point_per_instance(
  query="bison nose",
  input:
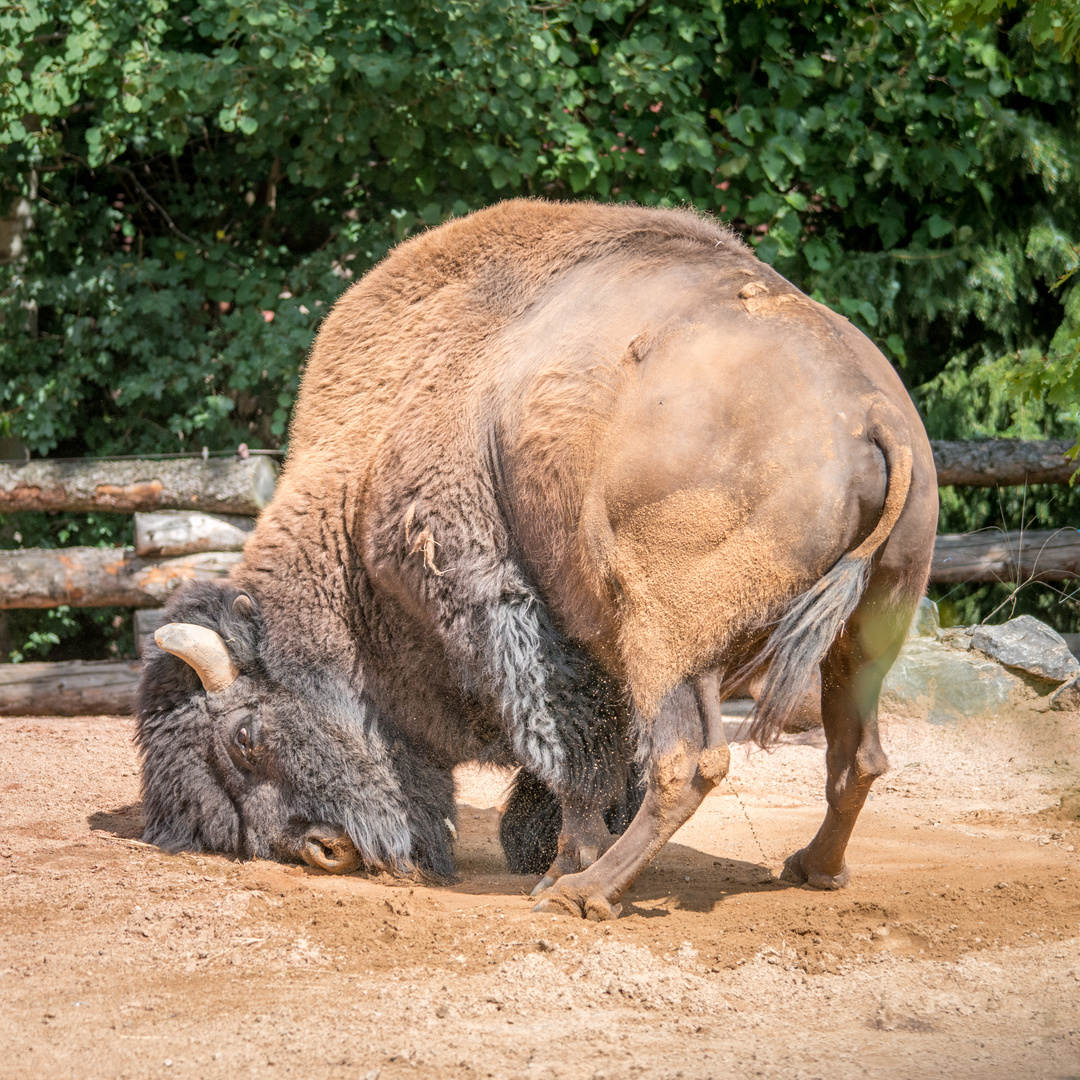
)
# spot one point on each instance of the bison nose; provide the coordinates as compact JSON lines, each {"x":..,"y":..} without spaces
{"x":330,"y":849}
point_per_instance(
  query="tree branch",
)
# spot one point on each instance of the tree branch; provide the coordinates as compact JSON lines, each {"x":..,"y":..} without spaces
{"x":173,"y":227}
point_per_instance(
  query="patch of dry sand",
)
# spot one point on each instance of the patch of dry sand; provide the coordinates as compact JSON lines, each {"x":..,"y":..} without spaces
{"x":955,"y":951}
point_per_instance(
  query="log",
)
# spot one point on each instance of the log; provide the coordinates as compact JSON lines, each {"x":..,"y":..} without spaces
{"x":1002,"y":462}
{"x":75,"y":688}
{"x":186,"y":532}
{"x":217,"y":485}
{"x":118,"y":577}
{"x":147,"y":620}
{"x":1042,"y":555}
{"x":101,"y":577}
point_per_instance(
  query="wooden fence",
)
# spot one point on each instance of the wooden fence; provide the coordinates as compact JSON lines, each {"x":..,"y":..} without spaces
{"x":193,"y":515}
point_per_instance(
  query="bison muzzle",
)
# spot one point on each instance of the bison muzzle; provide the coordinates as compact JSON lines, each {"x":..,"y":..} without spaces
{"x":560,"y":478}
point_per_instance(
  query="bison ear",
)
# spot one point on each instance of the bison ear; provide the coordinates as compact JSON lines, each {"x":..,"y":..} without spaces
{"x":243,"y":606}
{"x":203,"y":649}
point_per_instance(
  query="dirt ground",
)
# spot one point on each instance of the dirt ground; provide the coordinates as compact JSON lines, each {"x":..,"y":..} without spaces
{"x":954,"y":952}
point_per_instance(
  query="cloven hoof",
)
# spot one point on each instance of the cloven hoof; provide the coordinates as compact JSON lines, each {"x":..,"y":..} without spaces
{"x":586,"y":902}
{"x":796,"y":874}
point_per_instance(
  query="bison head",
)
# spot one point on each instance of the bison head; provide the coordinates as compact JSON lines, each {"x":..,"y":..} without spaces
{"x":245,"y":753}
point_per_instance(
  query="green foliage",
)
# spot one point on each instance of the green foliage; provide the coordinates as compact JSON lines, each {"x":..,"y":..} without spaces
{"x":1046,"y":21}
{"x":1055,"y":377}
{"x":208,"y":178}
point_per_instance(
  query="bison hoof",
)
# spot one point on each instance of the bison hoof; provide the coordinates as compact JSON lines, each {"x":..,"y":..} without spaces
{"x":586,"y":901}
{"x":543,"y":884}
{"x":796,"y":872}
{"x":573,"y":857}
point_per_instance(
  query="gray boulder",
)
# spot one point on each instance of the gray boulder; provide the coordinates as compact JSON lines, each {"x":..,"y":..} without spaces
{"x":927,"y":622}
{"x":1066,"y":698}
{"x":946,"y":683}
{"x":1030,"y":645}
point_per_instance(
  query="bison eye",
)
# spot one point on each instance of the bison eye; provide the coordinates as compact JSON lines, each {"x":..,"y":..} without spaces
{"x":245,"y":742}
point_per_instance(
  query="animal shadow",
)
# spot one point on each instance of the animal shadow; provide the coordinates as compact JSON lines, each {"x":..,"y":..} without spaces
{"x":662,"y":886}
{"x":686,"y":879}
{"x":125,"y":822}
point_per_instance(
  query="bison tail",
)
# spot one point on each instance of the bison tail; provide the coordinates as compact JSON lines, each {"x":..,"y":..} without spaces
{"x":814,"y":620}
{"x":799,"y":643}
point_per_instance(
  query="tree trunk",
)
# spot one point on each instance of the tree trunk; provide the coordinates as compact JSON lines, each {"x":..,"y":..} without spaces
{"x":184,"y":532}
{"x":75,"y":688}
{"x":1002,"y":462}
{"x":217,"y":485}
{"x":1042,"y":555}
{"x":100,"y":577}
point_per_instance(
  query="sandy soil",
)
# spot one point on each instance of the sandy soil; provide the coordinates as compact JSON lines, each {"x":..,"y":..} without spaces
{"x":954,"y":952}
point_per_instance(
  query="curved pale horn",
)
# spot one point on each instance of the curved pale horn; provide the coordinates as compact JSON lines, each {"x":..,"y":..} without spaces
{"x":203,"y":649}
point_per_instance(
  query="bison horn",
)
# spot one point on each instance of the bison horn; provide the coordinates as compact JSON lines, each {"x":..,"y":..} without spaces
{"x":203,"y":649}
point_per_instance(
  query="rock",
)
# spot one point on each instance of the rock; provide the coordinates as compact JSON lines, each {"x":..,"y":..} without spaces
{"x":927,"y":622}
{"x":1066,"y":698}
{"x":1030,"y":645}
{"x":957,"y":637}
{"x":948,"y":684}
{"x":1069,"y":808}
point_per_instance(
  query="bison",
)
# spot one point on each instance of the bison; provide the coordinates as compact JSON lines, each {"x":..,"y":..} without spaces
{"x":559,"y":477}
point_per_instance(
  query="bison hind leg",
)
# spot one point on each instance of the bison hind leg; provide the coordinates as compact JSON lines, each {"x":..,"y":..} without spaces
{"x":532,"y":819}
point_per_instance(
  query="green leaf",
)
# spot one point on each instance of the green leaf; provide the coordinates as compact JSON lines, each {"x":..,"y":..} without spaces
{"x":938,"y":226}
{"x":817,"y":255}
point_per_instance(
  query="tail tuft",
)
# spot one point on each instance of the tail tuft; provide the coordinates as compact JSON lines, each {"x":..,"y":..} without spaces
{"x":800,"y":641}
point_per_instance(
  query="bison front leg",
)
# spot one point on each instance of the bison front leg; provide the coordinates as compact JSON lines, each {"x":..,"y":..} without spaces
{"x":687,"y":756}
{"x":851,"y":677}
{"x":564,"y":722}
{"x":583,"y":838}
{"x":596,"y":790}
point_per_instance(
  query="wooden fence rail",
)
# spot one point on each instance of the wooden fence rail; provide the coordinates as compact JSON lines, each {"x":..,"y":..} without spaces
{"x":85,"y":577}
{"x":994,"y":555}
{"x":74,"y":688}
{"x":217,"y":485}
{"x":235,"y":486}
{"x":119,"y":577}
{"x":1002,"y":462}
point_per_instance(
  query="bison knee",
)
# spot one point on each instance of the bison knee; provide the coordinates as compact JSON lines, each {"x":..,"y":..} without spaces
{"x":713,"y":763}
{"x":870,"y":763}
{"x":673,"y":771}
